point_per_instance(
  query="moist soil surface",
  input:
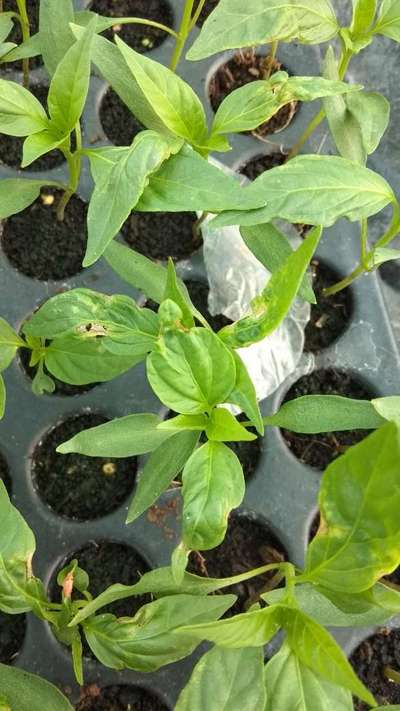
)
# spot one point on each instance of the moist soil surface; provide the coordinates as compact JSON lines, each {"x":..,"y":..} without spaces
{"x":42,"y":247}
{"x":160,"y":235}
{"x":209,"y":6}
{"x":119,"y":698}
{"x":259,"y":164}
{"x":5,"y":474}
{"x":61,"y":388}
{"x":75,"y":486}
{"x":248,"y":544}
{"x":243,"y":68}
{"x":319,"y":450}
{"x":331,"y":314}
{"x":369,"y":661}
{"x":11,"y":146}
{"x":119,"y":124}
{"x":390,"y":273}
{"x":12,"y":634}
{"x":32,"y":8}
{"x":141,"y":38}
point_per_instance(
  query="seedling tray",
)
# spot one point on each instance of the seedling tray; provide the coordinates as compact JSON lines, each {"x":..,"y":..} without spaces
{"x":282,"y":492}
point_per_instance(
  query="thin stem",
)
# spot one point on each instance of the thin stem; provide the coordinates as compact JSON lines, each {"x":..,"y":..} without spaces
{"x":74,"y":165}
{"x":272,"y":56}
{"x":182,"y":34}
{"x":364,"y":242}
{"x":140,"y":21}
{"x":25,"y":29}
{"x":78,"y":136}
{"x":196,"y":14}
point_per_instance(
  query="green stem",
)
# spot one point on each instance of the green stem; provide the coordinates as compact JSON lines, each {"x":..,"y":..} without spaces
{"x":182,"y":34}
{"x":140,"y":21}
{"x":25,"y":29}
{"x":74,"y":165}
{"x":272,"y":56}
{"x":364,"y":243}
{"x":196,"y":14}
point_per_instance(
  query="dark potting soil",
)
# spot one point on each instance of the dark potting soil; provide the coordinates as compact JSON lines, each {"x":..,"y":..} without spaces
{"x":160,"y":235}
{"x":119,"y":124}
{"x":209,"y":6}
{"x":248,"y":544}
{"x":75,"y":486}
{"x":60,"y":388}
{"x":198,"y":291}
{"x":319,"y":450}
{"x":369,"y":661}
{"x":258,"y":165}
{"x":42,"y":247}
{"x":11,"y":146}
{"x":141,"y":38}
{"x":390,"y":273}
{"x":243,"y":68}
{"x":107,"y":563}
{"x":5,"y":474}
{"x":32,"y":8}
{"x":119,"y":698}
{"x":12,"y":635}
{"x":331,"y":314}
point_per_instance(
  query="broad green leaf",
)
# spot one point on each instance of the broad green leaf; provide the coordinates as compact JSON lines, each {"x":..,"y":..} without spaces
{"x":70,"y":84}
{"x":21,"y":114}
{"x":233,"y":25}
{"x":316,"y":190}
{"x":272,"y":248}
{"x":384,"y":254}
{"x":213,"y":485}
{"x":137,"y":270}
{"x":120,"y":188}
{"x":316,"y":649}
{"x":363,"y":16}
{"x":372,"y":111}
{"x":272,"y":306}
{"x":292,"y":685}
{"x":2,"y":397}
{"x":187,"y":182}
{"x":388,"y":407}
{"x":6,"y":25}
{"x":172,"y":99}
{"x":163,"y":465}
{"x":27,"y":692}
{"x":38,"y":144}
{"x":244,"y":395}
{"x":146,"y":642}
{"x":9,"y":342}
{"x":122,"y":437}
{"x":388,"y":23}
{"x":250,"y":629}
{"x":225,"y":679}
{"x":359,"y":539}
{"x":55,"y":34}
{"x":17,"y":193}
{"x":191,"y":371}
{"x":224,"y":427}
{"x":311,"y":414}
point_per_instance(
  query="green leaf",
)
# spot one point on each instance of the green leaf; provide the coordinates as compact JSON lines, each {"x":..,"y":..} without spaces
{"x":5,"y":49}
{"x":233,"y":25}
{"x":30,"y":48}
{"x":179,"y":561}
{"x":196,"y":423}
{"x":244,"y":395}
{"x":272,"y":306}
{"x":316,"y":190}
{"x":225,"y":679}
{"x":38,"y":144}
{"x":316,"y":649}
{"x":388,"y":22}
{"x":388,"y":407}
{"x":213,"y":485}
{"x":187,"y":182}
{"x":55,"y":34}
{"x":224,"y":427}
{"x":42,"y":383}
{"x":122,"y":437}
{"x":272,"y":248}
{"x":137,"y":270}
{"x":363,"y":16}
{"x":292,"y":685}
{"x":146,"y":642}
{"x":174,"y":291}
{"x":312,"y":414}
{"x":9,"y":342}
{"x":372,"y":111}
{"x":384,"y":254}
{"x":163,"y":465}
{"x":250,"y":629}
{"x":359,"y":541}
{"x":6,"y":25}
{"x":20,"y":112}
{"x":17,"y":193}
{"x":70,"y":84}
{"x":119,"y":189}
{"x":27,"y":692}
{"x":2,"y":397}
{"x":171,"y":98}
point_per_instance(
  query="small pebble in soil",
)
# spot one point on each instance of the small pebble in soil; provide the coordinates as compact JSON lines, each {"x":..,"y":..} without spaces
{"x":32,"y":8}
{"x":119,"y":698}
{"x":331,"y":315}
{"x":244,"y":67}
{"x":142,"y":38}
{"x":319,"y":450}
{"x":390,"y":273}
{"x":160,"y":235}
{"x":64,"y":389}
{"x":73,"y":485}
{"x":208,"y":7}
{"x":369,"y":661}
{"x":248,"y":544}
{"x":12,"y":635}
{"x":254,"y":167}
{"x":42,"y":247}
{"x":118,"y":123}
{"x":5,"y":474}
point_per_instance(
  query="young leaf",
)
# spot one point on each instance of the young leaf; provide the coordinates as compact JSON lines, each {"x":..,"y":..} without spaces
{"x":372,"y":111}
{"x":173,"y":291}
{"x":224,"y":427}
{"x":6,"y":25}
{"x":384,"y":254}
{"x":292,"y":685}
{"x":179,"y":561}
{"x":363,"y":16}
{"x":122,"y":437}
{"x":163,"y":465}
{"x":213,"y":485}
{"x":38,"y":144}
{"x":119,"y":189}
{"x":250,"y":629}
{"x":359,"y":539}
{"x":9,"y":342}
{"x":199,"y":362}
{"x":55,"y":34}
{"x":27,"y":692}
{"x":244,"y":394}
{"x":21,"y":114}
{"x":388,"y":22}
{"x":272,"y":306}
{"x":146,"y":642}
{"x":225,"y":679}
{"x":42,"y":383}
{"x":311,"y":414}
{"x":388,"y":407}
{"x":30,"y":48}
{"x":339,"y":188}
{"x":17,"y":193}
